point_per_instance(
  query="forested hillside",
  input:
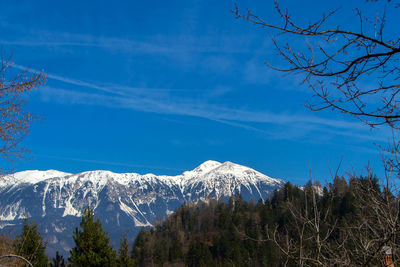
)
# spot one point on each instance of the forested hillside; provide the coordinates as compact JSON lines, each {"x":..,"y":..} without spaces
{"x":337,"y":225}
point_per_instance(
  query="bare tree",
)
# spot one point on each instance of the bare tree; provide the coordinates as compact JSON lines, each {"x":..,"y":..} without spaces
{"x":15,"y":121}
{"x":336,"y":60}
{"x":7,"y":250}
{"x":335,"y":63}
{"x":312,"y":240}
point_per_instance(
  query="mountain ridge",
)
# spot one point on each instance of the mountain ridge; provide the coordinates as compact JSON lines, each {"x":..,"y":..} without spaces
{"x":56,"y":200}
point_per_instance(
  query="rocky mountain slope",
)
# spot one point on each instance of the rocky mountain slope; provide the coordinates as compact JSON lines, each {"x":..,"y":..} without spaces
{"x":124,"y":202}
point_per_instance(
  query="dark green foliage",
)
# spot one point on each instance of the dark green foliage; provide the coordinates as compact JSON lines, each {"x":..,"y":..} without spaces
{"x":237,"y":233}
{"x":30,"y":245}
{"x":124,"y":259}
{"x":199,"y":255}
{"x":58,"y":261}
{"x":275,"y":232}
{"x":92,"y":245}
{"x":139,"y":249}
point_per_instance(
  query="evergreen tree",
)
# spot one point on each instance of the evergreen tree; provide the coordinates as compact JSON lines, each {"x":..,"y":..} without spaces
{"x":297,"y":226}
{"x":58,"y":261}
{"x":124,"y":259}
{"x":138,"y":245}
{"x":199,"y":255}
{"x":175,"y":250}
{"x":30,"y":245}
{"x":92,"y":245}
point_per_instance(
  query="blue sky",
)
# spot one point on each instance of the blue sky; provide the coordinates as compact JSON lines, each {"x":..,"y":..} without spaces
{"x":161,"y":86}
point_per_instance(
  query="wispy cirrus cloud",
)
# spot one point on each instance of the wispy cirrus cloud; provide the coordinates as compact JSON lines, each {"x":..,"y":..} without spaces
{"x":109,"y":163}
{"x":69,"y":81}
{"x":149,"y":100}
{"x":157,"y":44}
{"x":279,"y":126}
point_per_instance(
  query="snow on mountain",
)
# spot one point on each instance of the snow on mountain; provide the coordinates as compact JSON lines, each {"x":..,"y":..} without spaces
{"x":56,"y":200}
{"x":227,"y":179}
{"x":203,"y":168}
{"x":30,"y":177}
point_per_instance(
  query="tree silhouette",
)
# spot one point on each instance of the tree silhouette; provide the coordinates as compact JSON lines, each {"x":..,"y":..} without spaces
{"x":92,"y":245}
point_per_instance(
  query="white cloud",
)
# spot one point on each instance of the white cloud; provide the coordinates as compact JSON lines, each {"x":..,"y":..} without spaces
{"x":293,"y":125}
{"x":157,"y":44}
{"x":149,"y":100}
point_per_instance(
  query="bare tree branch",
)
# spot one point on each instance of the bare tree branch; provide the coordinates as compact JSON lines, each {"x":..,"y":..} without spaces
{"x":336,"y":61}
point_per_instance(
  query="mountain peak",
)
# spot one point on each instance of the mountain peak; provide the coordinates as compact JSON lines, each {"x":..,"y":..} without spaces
{"x":207,"y":166}
{"x":228,"y":166}
{"x":124,"y":202}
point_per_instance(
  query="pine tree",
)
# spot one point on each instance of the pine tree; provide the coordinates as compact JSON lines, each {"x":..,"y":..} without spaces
{"x":138,"y":248}
{"x":30,"y":245}
{"x":124,"y":260}
{"x":92,"y":245}
{"x":199,"y":255}
{"x":58,"y":261}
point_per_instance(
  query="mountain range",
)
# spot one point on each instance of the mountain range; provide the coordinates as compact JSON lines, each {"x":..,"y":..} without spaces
{"x":124,"y":202}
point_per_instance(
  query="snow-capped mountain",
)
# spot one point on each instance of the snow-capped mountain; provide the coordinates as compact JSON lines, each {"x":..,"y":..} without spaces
{"x":124,"y":202}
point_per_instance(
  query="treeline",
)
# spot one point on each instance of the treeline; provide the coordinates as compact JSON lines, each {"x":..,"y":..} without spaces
{"x":346,"y":223}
